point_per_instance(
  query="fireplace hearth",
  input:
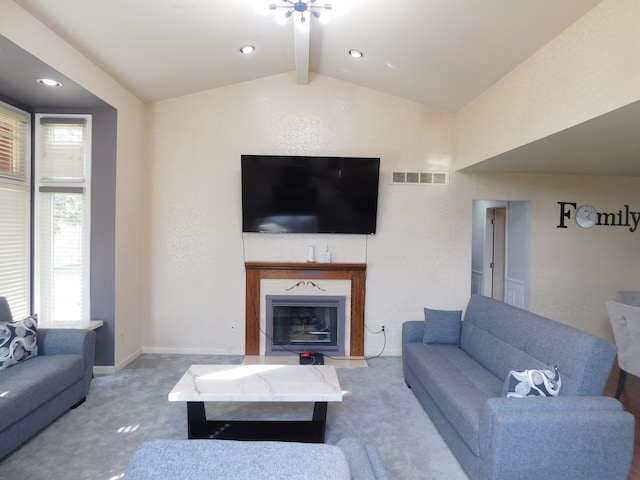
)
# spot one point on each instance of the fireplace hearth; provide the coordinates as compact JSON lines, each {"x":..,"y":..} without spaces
{"x":296,"y":324}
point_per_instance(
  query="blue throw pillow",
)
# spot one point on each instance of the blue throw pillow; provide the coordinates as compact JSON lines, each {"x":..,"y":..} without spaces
{"x":18,"y":341}
{"x":442,"y":326}
{"x":532,"y":383}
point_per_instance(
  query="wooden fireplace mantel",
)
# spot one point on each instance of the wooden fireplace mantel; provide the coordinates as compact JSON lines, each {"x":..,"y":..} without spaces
{"x":257,"y":271}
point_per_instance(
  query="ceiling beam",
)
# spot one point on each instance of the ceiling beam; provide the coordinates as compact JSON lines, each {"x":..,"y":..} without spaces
{"x":301,"y":44}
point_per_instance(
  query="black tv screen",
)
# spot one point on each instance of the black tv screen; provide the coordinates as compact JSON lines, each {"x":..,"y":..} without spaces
{"x":297,"y":194}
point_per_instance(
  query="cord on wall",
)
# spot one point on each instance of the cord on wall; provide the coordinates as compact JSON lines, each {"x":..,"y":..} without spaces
{"x":384,"y":345}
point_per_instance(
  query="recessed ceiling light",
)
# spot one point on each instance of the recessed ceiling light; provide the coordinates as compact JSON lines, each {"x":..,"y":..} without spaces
{"x":49,"y":82}
{"x":247,"y":49}
{"x":356,"y":53}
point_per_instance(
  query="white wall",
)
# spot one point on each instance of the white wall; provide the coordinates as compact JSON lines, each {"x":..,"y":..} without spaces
{"x":421,"y":255}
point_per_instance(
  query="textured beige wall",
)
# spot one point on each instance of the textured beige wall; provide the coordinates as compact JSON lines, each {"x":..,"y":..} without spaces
{"x":197,"y":254}
{"x":421,"y":254}
{"x":592,"y":68}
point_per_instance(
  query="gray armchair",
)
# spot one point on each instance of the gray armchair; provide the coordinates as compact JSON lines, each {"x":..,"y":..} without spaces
{"x":625,"y":322}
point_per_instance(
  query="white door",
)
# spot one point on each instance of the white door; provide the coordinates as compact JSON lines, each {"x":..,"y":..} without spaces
{"x":498,"y":220}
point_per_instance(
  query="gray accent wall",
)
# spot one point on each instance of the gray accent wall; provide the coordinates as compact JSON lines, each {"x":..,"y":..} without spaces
{"x":103,"y":230}
{"x":103,"y":224}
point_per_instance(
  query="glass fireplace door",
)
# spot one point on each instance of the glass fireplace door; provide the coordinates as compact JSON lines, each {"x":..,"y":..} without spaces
{"x":300,"y":323}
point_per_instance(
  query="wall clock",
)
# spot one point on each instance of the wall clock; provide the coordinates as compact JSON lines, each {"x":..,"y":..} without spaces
{"x":586,"y":216}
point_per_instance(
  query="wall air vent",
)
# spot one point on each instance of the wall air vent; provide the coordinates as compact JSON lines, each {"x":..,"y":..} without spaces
{"x":420,"y":178}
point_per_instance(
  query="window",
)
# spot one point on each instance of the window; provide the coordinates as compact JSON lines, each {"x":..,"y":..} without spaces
{"x":15,"y":127}
{"x":62,"y":220}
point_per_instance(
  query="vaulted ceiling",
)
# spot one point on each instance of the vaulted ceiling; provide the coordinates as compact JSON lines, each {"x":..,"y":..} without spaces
{"x":442,"y":53}
{"x":438,"y":52}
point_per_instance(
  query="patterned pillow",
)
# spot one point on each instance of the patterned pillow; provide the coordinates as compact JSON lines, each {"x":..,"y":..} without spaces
{"x":533,"y":383}
{"x":18,"y":341}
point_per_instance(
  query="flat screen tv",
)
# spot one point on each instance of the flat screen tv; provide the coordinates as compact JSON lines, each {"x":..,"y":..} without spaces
{"x":298,"y":194}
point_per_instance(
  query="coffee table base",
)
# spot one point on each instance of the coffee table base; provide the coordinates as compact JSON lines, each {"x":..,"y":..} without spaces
{"x":307,"y":431}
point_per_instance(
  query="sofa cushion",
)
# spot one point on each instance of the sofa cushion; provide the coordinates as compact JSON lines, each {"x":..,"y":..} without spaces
{"x":29,"y":384}
{"x":532,"y":383}
{"x":458,"y":385}
{"x":227,"y":459}
{"x":442,"y":326}
{"x":502,"y":337}
{"x":18,"y":341}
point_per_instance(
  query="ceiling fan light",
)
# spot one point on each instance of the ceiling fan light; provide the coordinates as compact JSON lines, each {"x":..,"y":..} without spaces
{"x":301,"y":6}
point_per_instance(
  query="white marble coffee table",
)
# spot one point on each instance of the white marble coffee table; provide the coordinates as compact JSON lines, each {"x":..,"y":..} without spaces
{"x":258,"y":383}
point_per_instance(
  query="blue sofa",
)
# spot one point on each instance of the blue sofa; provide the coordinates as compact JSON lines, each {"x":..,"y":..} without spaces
{"x":349,"y":459}
{"x":35,"y":392}
{"x":459,"y":378}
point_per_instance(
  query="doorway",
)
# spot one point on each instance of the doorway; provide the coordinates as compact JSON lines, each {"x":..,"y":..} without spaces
{"x":500,"y":251}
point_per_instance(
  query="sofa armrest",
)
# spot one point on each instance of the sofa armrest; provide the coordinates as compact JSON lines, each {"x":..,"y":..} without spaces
{"x":58,"y":341}
{"x":231,"y":459}
{"x":412,"y":331}
{"x":563,"y":437}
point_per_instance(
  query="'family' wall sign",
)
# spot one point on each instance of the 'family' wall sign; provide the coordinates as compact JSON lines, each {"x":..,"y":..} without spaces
{"x":587,"y":216}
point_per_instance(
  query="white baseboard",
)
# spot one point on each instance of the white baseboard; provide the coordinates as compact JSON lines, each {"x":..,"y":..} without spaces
{"x":103,"y":370}
{"x":108,"y":370}
{"x":188,"y":351}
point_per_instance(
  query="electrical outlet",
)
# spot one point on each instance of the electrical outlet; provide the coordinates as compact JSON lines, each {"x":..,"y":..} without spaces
{"x":382,"y":328}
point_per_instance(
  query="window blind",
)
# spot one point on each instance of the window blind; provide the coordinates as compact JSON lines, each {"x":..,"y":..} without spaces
{"x":62,"y":253}
{"x":63,"y":154}
{"x":15,"y":223}
{"x":63,"y":149}
{"x":14,"y":136}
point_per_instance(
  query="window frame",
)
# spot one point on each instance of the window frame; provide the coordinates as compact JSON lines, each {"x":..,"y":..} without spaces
{"x":62,"y":185}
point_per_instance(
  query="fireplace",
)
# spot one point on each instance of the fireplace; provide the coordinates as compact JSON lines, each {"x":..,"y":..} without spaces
{"x":258,"y":272}
{"x":298,"y":323}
